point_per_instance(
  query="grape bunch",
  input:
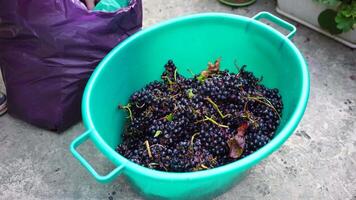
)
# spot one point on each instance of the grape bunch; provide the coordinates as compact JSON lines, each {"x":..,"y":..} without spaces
{"x":181,"y":124}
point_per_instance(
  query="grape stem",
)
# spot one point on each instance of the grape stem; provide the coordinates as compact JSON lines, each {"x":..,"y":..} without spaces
{"x":247,"y":115}
{"x":267,"y":103}
{"x":128,"y":108}
{"x":194,"y":111}
{"x":153,"y":164}
{"x":215,"y":122}
{"x":148,"y":149}
{"x":175,"y":75}
{"x":213,"y":160}
{"x":168,"y":79}
{"x":148,"y":111}
{"x":204,"y":166}
{"x":164,"y":167}
{"x":216,"y":107}
{"x":212,"y":121}
{"x":199,"y":121}
{"x":138,"y":106}
{"x":158,"y":145}
{"x":192,"y":141}
{"x":245,"y":106}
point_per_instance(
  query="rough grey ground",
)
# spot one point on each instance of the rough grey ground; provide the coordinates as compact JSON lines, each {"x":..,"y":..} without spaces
{"x":317,"y":162}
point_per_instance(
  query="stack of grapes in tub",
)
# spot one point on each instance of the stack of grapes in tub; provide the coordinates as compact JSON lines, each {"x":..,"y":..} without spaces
{"x":184,"y":124}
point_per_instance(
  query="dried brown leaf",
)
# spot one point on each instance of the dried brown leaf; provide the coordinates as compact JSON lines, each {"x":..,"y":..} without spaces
{"x":236,"y":144}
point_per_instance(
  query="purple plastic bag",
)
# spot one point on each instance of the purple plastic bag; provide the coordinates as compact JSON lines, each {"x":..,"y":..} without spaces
{"x":48,"y":50}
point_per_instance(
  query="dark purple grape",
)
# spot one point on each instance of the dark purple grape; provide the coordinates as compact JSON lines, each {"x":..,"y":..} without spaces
{"x":183,"y":124}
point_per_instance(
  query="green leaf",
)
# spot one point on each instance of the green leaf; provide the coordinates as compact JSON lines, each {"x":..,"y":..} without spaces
{"x":327,"y":21}
{"x":169,"y":117}
{"x":158,"y":133}
{"x":201,"y":78}
{"x":348,"y":9}
{"x":190,"y":94}
{"x":346,"y":17}
{"x":345,"y":13}
{"x":344,"y":23}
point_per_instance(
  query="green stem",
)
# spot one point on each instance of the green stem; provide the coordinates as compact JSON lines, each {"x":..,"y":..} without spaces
{"x":143,"y":105}
{"x":192,"y":141}
{"x":128,"y":108}
{"x":245,"y":106}
{"x":202,"y":120}
{"x":216,"y":107}
{"x":168,"y":79}
{"x":148,"y":149}
{"x":175,"y":75}
{"x":215,"y":122}
{"x":158,"y":145}
{"x":269,"y":104}
{"x":248,"y":116}
{"x":153,"y":164}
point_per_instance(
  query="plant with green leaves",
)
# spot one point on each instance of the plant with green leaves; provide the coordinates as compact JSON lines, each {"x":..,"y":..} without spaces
{"x":339,"y":20}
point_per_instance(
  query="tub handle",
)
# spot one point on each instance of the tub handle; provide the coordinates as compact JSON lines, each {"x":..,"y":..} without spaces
{"x":103,"y":179}
{"x":280,"y":22}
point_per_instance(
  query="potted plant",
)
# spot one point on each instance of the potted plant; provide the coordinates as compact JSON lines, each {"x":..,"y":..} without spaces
{"x":334,"y":18}
{"x":238,"y":3}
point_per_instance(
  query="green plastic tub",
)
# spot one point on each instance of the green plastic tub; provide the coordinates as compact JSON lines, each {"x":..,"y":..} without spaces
{"x":191,"y":41}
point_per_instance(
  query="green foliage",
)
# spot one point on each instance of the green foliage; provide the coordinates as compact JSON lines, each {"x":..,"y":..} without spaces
{"x":158,"y":133}
{"x":190,"y":94}
{"x":327,"y":21}
{"x":342,"y":19}
{"x":346,"y":17}
{"x":169,"y":117}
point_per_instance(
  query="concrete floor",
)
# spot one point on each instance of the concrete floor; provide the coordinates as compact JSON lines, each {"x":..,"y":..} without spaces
{"x":317,"y":162}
